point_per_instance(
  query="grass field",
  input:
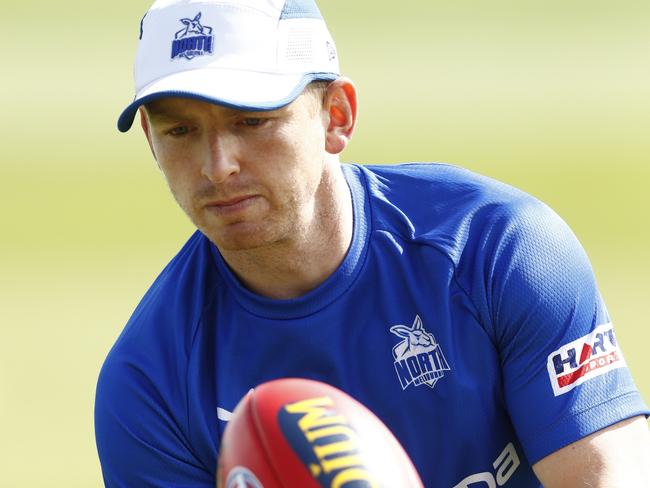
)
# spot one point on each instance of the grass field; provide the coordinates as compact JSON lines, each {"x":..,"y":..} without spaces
{"x":552,"y":98}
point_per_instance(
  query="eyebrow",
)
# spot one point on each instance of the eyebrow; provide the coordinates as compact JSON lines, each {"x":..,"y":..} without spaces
{"x":159,"y":113}
{"x":162,"y":114}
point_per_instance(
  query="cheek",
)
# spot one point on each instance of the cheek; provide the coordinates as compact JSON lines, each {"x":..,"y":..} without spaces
{"x":180,"y":192}
{"x":304,"y":150}
{"x":312,"y":161}
{"x":296,"y":175}
{"x":178,"y":175}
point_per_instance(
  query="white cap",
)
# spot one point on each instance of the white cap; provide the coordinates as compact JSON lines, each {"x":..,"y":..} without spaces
{"x":245,"y":54}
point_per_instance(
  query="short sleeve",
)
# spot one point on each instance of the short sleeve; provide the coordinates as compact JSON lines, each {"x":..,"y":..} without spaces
{"x":140,"y":439}
{"x":564,"y":374}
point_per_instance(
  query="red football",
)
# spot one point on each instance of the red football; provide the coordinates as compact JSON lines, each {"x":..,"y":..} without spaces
{"x":292,"y":433}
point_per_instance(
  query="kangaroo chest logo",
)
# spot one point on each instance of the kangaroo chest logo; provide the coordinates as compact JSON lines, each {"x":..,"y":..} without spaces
{"x":418,"y":357}
{"x":192,"y":40}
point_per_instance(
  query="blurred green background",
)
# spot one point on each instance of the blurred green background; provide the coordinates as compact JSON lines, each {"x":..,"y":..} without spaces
{"x":553,"y":97}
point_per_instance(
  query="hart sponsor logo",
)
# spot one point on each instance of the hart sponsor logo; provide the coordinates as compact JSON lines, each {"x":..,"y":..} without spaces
{"x":192,"y":40}
{"x":583,"y":359}
{"x":504,"y":466}
{"x":418,"y":357}
{"x":326,"y":443}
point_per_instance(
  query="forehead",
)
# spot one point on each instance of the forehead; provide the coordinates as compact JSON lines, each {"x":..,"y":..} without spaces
{"x":177,"y":106}
{"x":174,"y":107}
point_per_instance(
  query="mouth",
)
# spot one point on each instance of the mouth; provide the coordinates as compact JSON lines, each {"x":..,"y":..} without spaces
{"x":231,"y":205}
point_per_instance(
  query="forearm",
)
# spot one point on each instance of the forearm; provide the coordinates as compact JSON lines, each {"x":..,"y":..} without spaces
{"x":618,"y":456}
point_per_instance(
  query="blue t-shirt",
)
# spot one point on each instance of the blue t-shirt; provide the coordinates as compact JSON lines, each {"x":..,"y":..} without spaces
{"x":465,"y":315}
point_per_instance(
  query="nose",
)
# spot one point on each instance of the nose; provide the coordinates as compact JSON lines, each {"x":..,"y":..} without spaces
{"x":221,"y":160}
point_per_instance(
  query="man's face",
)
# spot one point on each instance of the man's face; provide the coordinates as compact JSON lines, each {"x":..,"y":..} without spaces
{"x":245,"y":179}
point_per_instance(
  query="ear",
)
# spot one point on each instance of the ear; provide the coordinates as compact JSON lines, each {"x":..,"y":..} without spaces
{"x":144,"y":122}
{"x":401,"y":330}
{"x":417,"y":323}
{"x":341,"y":106}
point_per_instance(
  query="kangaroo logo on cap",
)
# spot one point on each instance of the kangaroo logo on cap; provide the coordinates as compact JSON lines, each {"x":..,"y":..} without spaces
{"x":193,"y":40}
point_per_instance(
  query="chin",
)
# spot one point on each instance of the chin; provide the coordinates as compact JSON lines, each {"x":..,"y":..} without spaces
{"x":242,"y":237}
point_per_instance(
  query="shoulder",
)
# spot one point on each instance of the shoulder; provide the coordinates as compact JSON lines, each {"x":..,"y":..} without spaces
{"x":428,"y":176}
{"x":165,"y":321}
{"x":446,"y":206}
{"x":142,"y":424}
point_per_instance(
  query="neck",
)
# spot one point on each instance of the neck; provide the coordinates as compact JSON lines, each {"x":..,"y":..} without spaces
{"x":293,"y":267}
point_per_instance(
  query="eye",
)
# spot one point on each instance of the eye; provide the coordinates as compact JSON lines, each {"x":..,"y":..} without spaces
{"x":253,"y":121}
{"x":180,"y":130}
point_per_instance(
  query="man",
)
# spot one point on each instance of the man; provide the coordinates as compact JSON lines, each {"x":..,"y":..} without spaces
{"x":461,"y":311}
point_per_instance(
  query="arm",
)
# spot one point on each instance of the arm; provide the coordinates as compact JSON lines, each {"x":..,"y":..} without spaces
{"x":613,"y":457}
{"x":140,"y":437}
{"x":566,"y":384}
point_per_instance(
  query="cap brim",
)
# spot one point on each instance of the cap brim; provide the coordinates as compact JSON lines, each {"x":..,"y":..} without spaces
{"x":241,"y":90}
